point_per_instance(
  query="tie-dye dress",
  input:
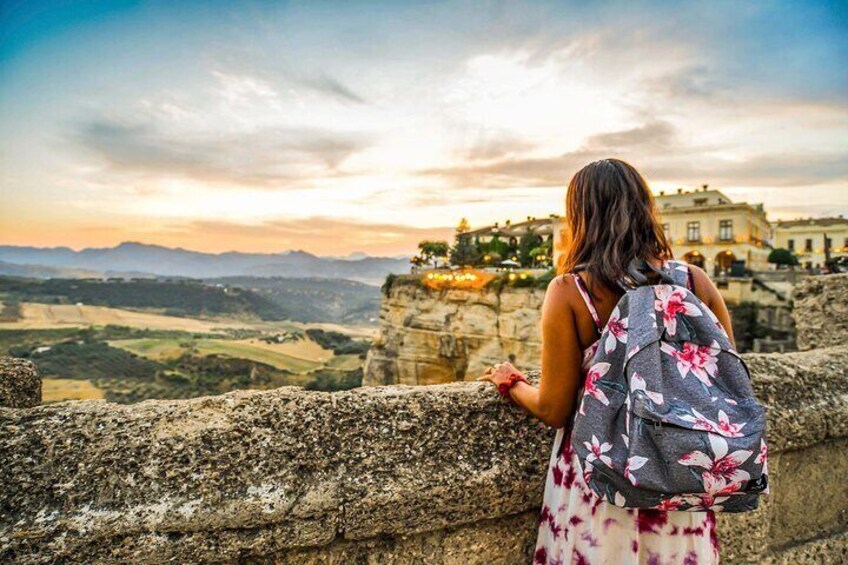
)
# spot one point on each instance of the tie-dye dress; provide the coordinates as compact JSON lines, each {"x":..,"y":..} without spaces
{"x":577,"y":527}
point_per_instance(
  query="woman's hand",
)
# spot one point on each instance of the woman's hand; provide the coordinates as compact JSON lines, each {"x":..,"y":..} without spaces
{"x":499,"y":373}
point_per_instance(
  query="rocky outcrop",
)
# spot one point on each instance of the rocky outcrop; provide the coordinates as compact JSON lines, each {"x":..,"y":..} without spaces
{"x":823,"y":306}
{"x":437,"y":336}
{"x":20,"y":384}
{"x":444,"y":474}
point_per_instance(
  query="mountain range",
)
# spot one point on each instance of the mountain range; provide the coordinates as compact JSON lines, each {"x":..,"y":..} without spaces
{"x":139,"y":259}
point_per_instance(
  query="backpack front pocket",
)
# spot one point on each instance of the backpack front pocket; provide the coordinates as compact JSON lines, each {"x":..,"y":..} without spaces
{"x":678,"y":455}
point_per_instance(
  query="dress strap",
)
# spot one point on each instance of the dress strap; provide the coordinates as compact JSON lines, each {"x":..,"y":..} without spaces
{"x":587,"y":298}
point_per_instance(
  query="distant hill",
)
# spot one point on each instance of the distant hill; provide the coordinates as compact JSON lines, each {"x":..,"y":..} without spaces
{"x":302,"y":300}
{"x":176,"y":298}
{"x":165,"y":261}
{"x":314,"y":299}
{"x":42,"y":272}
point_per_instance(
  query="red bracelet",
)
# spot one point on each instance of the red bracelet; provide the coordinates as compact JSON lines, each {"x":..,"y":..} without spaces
{"x":505,"y":386}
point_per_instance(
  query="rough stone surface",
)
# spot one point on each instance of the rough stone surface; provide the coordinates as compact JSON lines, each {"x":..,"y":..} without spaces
{"x":801,"y":473}
{"x":261,"y":472}
{"x":444,"y":474}
{"x":437,"y":336}
{"x":20,"y":384}
{"x":375,"y":475}
{"x":831,"y":550}
{"x":806,"y":394}
{"x":821,"y":304}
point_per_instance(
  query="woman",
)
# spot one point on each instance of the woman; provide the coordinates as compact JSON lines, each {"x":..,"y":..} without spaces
{"x":610,"y":220}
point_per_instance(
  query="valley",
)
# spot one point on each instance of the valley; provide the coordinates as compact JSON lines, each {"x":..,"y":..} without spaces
{"x":148,"y":338}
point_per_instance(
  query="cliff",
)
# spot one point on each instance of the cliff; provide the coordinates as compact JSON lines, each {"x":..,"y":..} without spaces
{"x":439,"y":336}
{"x":443,"y":474}
{"x":432,"y":336}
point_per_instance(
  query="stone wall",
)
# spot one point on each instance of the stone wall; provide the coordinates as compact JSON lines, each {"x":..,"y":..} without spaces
{"x":442,"y":474}
{"x":822,"y":306}
{"x":20,"y":385}
{"x":439,"y":336}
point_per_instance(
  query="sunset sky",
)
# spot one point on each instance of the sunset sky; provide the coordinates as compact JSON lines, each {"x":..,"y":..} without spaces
{"x":337,"y":127}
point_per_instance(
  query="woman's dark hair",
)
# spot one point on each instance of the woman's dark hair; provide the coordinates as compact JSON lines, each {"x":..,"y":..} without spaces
{"x":610,"y":219}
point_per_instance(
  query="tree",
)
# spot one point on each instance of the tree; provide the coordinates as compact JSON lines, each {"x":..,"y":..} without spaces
{"x":497,"y":247}
{"x":465,"y":251}
{"x":782,"y":257}
{"x":529,"y":241}
{"x":432,"y":251}
{"x":541,"y":255}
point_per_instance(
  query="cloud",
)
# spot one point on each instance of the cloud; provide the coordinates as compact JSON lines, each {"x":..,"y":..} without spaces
{"x":498,"y":147}
{"x":272,"y":157}
{"x":320,"y":235}
{"x":657,"y":150}
{"x":331,"y":87}
{"x":511,"y":172}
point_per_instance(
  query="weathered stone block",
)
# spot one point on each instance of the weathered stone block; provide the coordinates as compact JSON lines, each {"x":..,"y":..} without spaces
{"x":811,"y":478}
{"x":20,"y":384}
{"x":821,"y":311}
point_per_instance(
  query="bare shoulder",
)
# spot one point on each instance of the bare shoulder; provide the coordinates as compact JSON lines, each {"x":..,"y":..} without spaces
{"x":560,"y":294}
{"x":560,"y":288}
{"x":704,"y":287}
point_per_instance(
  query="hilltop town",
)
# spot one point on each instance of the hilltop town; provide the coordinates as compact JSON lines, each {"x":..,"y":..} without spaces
{"x":490,"y":285}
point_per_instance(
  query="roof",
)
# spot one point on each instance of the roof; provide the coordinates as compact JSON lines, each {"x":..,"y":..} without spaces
{"x":537,"y":224}
{"x":811,"y":222}
{"x":686,"y":198}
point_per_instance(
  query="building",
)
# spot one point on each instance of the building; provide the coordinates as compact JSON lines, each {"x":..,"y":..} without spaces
{"x":500,"y":243}
{"x":708,"y":229}
{"x":806,"y":239}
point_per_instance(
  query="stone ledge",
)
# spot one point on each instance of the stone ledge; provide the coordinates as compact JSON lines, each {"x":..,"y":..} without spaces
{"x":831,"y":550}
{"x":258,"y":474}
{"x":20,"y":384}
{"x":821,"y":308}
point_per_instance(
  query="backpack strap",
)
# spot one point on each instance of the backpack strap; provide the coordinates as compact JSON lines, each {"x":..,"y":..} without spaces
{"x":681,"y":273}
{"x":587,"y":298}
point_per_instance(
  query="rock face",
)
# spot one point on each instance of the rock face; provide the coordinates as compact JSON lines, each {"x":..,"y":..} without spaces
{"x":824,"y":303}
{"x":439,"y":336}
{"x":20,"y":385}
{"x":443,"y":474}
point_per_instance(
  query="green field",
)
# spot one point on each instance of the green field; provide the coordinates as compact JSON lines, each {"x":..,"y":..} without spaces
{"x":170,"y":349}
{"x":128,"y":342}
{"x":130,"y":364}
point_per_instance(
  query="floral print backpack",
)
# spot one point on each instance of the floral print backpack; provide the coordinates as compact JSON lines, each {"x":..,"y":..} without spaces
{"x":667,"y":417}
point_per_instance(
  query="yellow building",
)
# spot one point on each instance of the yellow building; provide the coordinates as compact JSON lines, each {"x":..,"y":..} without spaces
{"x":806,"y":238}
{"x":708,"y":229}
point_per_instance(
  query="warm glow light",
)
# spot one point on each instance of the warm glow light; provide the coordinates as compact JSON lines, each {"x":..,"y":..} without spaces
{"x":466,"y":278}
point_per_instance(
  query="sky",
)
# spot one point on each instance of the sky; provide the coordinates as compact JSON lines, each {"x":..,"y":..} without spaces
{"x":341,"y":127}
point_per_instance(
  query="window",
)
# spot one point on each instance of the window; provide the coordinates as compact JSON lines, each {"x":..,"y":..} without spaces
{"x":725,"y":230}
{"x":845,"y":244}
{"x":808,"y":245}
{"x":828,"y":244}
{"x":667,"y":230}
{"x":700,"y":202}
{"x":693,"y":231}
{"x":790,"y":244}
